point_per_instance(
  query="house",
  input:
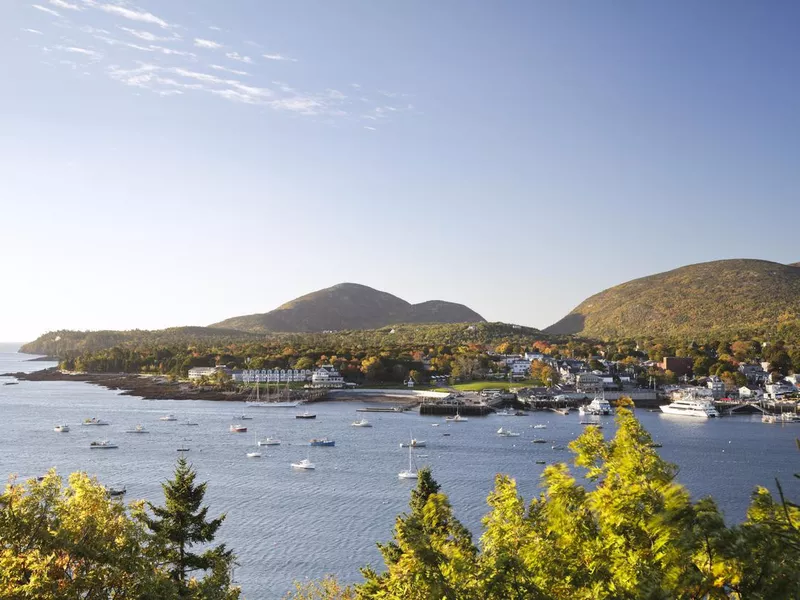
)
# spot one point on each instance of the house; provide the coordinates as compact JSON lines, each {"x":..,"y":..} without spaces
{"x":327,"y":377}
{"x":519,"y":368}
{"x":678,"y":364}
{"x":200,"y":372}
{"x":717,"y":387}
{"x":754,"y":373}
{"x":272,"y":375}
{"x":588,"y":383}
{"x":750,"y":393}
{"x":780,"y":388}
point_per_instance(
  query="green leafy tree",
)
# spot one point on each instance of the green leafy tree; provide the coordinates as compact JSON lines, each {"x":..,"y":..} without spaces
{"x":179,"y":525}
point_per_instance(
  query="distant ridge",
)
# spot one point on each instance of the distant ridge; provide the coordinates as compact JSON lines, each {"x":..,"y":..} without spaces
{"x":349,"y":306}
{"x":740,"y":296}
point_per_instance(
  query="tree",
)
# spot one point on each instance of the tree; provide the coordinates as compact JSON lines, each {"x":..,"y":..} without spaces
{"x":431,"y":555}
{"x":180,"y":524}
{"x":72,"y":542}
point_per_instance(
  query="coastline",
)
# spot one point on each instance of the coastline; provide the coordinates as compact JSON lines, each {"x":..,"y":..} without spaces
{"x":145,"y":386}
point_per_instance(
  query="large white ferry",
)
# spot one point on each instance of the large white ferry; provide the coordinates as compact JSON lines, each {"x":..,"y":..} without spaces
{"x":691,"y":407}
{"x":598,"y":406}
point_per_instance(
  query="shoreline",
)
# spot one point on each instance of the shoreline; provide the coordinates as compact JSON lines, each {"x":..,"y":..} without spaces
{"x":158,"y":387}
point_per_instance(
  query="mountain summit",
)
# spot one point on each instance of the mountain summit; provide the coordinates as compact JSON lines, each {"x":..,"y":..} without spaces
{"x":725,"y":296}
{"x":349,"y":306}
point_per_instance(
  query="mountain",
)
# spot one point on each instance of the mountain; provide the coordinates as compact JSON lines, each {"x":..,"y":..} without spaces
{"x":740,"y":297}
{"x":349,"y":306}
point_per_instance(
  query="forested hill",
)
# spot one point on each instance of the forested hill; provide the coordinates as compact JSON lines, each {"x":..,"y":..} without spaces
{"x":349,"y":306}
{"x":70,"y":343}
{"x":724,"y":298}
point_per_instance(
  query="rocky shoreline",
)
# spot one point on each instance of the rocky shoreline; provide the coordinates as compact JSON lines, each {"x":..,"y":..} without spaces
{"x":146,"y":386}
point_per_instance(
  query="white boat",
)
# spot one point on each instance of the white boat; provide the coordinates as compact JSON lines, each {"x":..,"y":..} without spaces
{"x":598,"y":406}
{"x":269,"y":442}
{"x":414,"y":443}
{"x":506,"y":433}
{"x":434,"y":424}
{"x":102,"y":445}
{"x":361,"y":423}
{"x":254,"y":454}
{"x":61,"y":428}
{"x":504,"y":413}
{"x":137,"y":429}
{"x":243,"y":418}
{"x":411,"y":472}
{"x":691,"y":407}
{"x":540,"y":426}
{"x":94,"y":421}
{"x":304,"y":464}
{"x":456,"y":419}
{"x":238,"y":429}
{"x":168,"y":418}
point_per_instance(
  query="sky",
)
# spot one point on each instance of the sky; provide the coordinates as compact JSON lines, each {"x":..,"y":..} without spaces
{"x":179,"y":162}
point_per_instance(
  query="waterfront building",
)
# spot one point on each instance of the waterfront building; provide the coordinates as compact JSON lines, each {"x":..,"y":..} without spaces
{"x":272,"y":375}
{"x":200,"y":372}
{"x":327,"y":377}
{"x":717,"y":387}
{"x":588,"y":383}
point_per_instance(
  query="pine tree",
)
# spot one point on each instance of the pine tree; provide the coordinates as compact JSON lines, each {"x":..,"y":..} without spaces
{"x":180,"y":524}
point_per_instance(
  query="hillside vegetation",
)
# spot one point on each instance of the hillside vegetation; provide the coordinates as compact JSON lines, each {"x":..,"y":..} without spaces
{"x":349,"y":306}
{"x":715,"y":299}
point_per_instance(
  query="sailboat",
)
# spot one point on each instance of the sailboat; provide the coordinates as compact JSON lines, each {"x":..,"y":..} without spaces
{"x":413,"y":443}
{"x":411,"y":472}
{"x":457,"y":418}
{"x":254,"y":453}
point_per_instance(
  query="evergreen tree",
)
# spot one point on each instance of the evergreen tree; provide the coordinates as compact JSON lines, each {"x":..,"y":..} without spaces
{"x":180,"y":524}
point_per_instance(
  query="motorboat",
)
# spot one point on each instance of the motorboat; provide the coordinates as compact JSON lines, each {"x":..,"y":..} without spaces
{"x":765,"y":418}
{"x":434,"y":424}
{"x":411,"y":472}
{"x":598,"y":406}
{"x":541,"y":462}
{"x":361,"y":423}
{"x":306,"y":415}
{"x":191,"y":424}
{"x":61,"y":428}
{"x":137,"y":429}
{"x":94,"y":421}
{"x":322,"y":442}
{"x":238,"y":429}
{"x":457,"y":418}
{"x":183,"y":449}
{"x":168,"y":418}
{"x":254,"y":454}
{"x":269,"y":442}
{"x":540,"y":426}
{"x":691,"y":407}
{"x":538,"y":441}
{"x":304,"y":464}
{"x":116,"y":491}
{"x":557,"y":447}
{"x":506,"y":433}
{"x":520,"y":413}
{"x":504,"y":413}
{"x":414,"y":443}
{"x":103,"y":445}
{"x":243,"y":418}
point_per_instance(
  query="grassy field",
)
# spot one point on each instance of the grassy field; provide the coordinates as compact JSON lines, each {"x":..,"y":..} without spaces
{"x":477,"y":386}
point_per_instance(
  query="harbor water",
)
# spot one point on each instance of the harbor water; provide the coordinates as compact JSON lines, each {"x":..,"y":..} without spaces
{"x":287,"y":525}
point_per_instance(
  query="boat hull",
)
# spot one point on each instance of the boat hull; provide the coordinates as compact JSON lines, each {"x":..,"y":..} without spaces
{"x":697,"y":414}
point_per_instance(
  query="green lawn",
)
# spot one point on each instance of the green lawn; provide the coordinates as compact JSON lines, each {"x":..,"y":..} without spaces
{"x":477,"y":386}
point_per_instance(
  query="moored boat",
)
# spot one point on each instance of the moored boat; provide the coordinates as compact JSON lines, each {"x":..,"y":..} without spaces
{"x":690,"y":406}
{"x":361,"y":423}
{"x":322,"y":442}
{"x":103,"y":445}
{"x":306,"y":415}
{"x":304,"y":464}
{"x":137,"y":429}
{"x":63,"y":428}
{"x":237,"y":429}
{"x":168,"y":418}
{"x":506,"y":433}
{"x":94,"y":421}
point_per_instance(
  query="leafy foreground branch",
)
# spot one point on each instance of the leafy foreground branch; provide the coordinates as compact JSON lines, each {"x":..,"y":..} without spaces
{"x":634,"y":535}
{"x":64,"y":542}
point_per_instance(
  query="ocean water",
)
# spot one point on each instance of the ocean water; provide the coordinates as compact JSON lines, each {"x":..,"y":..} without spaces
{"x":286,"y":525}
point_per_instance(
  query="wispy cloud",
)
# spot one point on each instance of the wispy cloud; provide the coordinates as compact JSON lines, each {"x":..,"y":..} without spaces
{"x":214,"y":28}
{"x":84,"y":51}
{"x":36,"y":31}
{"x":370,"y":128}
{"x":127,"y":13}
{"x":227,"y":70}
{"x":49,"y":11}
{"x":278,"y":57}
{"x":239,"y":57}
{"x":65,"y":4}
{"x":144,"y":35}
{"x":211,"y":44}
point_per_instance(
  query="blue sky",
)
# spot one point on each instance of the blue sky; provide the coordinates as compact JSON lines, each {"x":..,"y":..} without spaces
{"x":171,"y":163}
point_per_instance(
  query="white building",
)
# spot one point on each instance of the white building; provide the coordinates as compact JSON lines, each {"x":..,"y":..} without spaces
{"x":749,"y":393}
{"x":327,"y":377}
{"x":272,"y":375}
{"x":199,"y":372}
{"x":519,"y":368}
{"x":780,"y":388}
